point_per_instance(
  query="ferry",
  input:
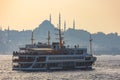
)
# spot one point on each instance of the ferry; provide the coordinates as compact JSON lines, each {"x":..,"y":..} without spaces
{"x":54,"y":56}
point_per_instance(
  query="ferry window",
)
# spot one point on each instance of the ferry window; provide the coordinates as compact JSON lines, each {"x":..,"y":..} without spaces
{"x":79,"y":52}
{"x":87,"y":58}
{"x":72,"y":52}
{"x":54,"y":47}
{"x":84,"y":51}
{"x":80,"y":64}
{"x":41,"y":58}
{"x":65,"y":58}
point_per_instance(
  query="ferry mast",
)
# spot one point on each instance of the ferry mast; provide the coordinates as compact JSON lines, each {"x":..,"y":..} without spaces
{"x":90,"y":44}
{"x":60,"y":38}
{"x":32,"y":38}
{"x":48,"y":38}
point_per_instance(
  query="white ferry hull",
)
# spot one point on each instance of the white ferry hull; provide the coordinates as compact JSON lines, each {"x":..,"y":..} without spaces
{"x":54,"y":65}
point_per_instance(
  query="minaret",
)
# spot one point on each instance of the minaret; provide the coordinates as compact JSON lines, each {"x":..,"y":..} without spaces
{"x":0,"y":28}
{"x":59,"y":21}
{"x":50,"y":19}
{"x":64,"y":26}
{"x":32,"y":38}
{"x":8,"y":28}
{"x":73,"y":24}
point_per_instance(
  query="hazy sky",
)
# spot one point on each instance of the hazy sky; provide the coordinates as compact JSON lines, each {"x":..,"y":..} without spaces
{"x":90,"y":15}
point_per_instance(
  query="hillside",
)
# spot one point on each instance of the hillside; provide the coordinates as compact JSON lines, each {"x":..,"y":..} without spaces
{"x":11,"y":40}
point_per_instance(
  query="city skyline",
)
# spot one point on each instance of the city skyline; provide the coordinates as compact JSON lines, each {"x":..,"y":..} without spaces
{"x":91,"y":15}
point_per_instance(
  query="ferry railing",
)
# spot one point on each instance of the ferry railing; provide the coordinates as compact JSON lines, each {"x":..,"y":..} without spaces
{"x":15,"y":66}
{"x":75,"y":46}
{"x":23,"y":60}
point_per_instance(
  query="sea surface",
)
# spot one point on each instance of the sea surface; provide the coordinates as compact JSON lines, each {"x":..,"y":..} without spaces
{"x":107,"y":67}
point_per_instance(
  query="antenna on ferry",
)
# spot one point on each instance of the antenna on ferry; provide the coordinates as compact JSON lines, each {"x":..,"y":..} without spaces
{"x":32,"y":38}
{"x":91,"y":44}
{"x":48,"y":38}
{"x":60,"y":38}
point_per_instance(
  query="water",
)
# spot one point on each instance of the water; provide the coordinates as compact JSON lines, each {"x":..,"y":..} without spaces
{"x":106,"y":68}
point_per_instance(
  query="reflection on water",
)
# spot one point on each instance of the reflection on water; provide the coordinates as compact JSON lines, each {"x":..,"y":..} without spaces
{"x":106,"y":68}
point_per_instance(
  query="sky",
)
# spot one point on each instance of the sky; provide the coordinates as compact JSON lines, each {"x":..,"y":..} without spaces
{"x":91,"y":15}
